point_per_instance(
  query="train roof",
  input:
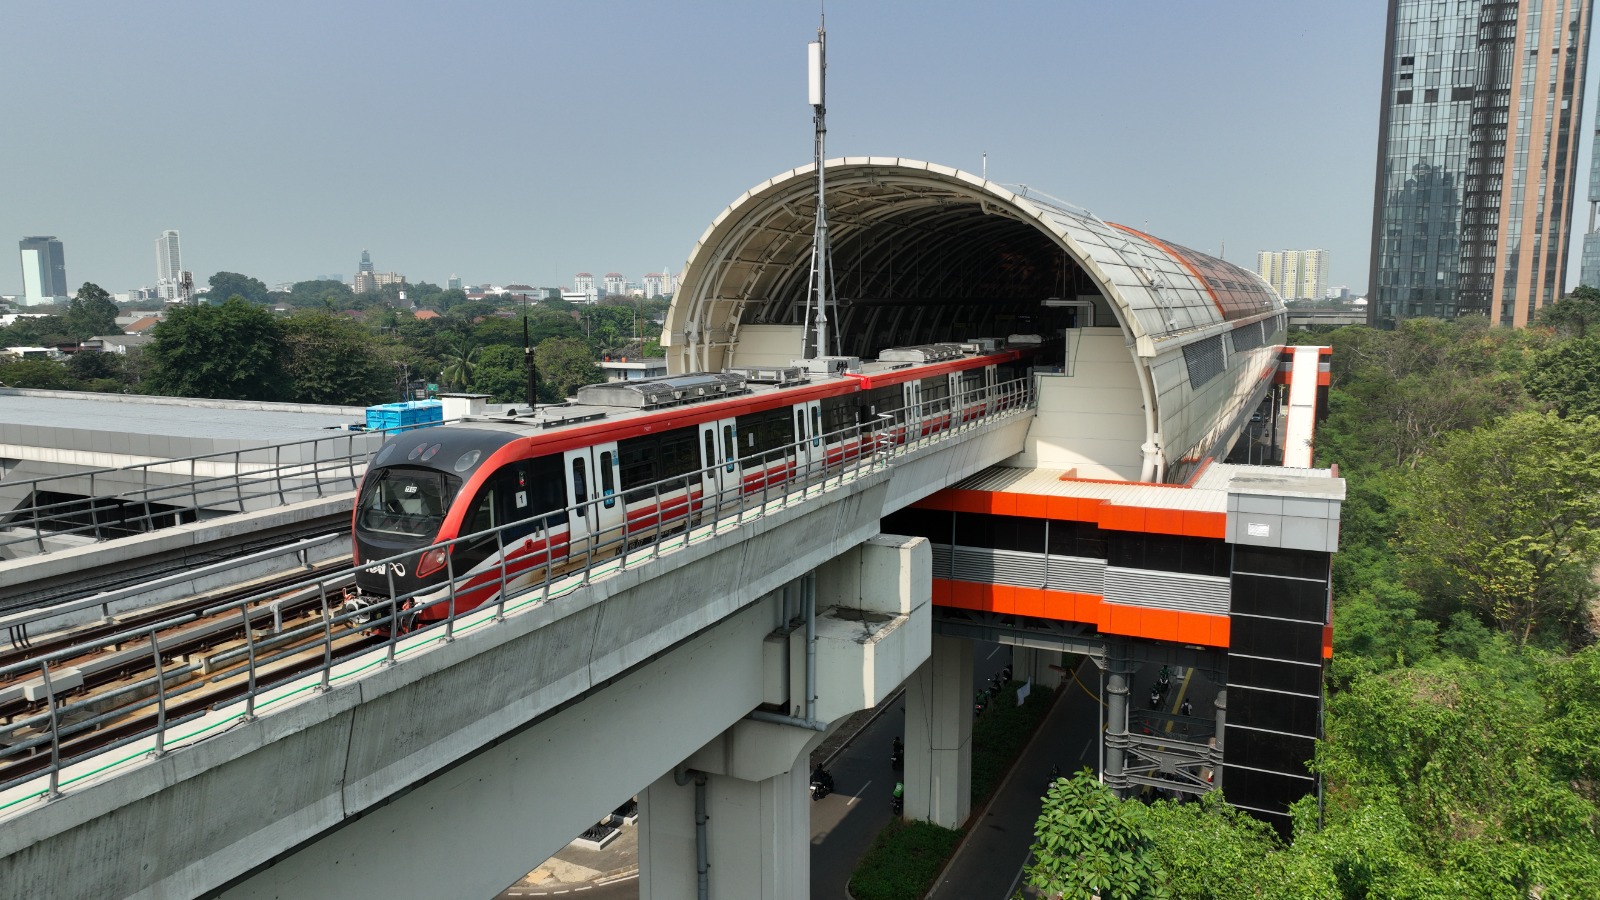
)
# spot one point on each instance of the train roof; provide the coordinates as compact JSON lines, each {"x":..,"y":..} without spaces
{"x":661,"y":404}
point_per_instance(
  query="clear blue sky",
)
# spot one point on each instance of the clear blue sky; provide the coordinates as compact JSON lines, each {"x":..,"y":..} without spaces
{"x":527,"y":141}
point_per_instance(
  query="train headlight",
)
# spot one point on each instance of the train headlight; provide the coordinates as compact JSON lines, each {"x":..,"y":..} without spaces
{"x":431,"y":561}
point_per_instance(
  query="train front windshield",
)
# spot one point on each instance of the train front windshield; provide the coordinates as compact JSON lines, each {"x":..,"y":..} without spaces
{"x":405,"y":502}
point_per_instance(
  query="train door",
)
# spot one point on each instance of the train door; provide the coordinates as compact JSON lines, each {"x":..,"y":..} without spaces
{"x":719,"y":450}
{"x":592,"y":475}
{"x":913,"y":416}
{"x":987,"y":402}
{"x":810,"y":454}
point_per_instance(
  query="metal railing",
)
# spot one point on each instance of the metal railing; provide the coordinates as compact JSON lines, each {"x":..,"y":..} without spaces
{"x":259,"y":659}
{"x":171,"y":492}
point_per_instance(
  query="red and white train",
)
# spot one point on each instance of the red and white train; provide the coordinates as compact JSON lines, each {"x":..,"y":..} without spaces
{"x":629,"y":461}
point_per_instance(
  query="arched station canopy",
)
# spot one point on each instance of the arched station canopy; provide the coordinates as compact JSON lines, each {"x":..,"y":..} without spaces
{"x":924,"y":253}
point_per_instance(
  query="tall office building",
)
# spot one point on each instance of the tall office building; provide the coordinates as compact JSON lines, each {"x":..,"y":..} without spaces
{"x":366,"y":262}
{"x":1477,"y":136}
{"x":169,"y":265}
{"x":1589,"y":272}
{"x":44,"y":270}
{"x":1294,"y":274}
{"x":615,"y":284}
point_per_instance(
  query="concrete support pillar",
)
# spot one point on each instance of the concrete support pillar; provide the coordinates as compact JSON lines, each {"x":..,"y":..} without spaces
{"x":756,"y":839}
{"x":1042,"y":667}
{"x":938,"y":769}
{"x":1116,"y":736}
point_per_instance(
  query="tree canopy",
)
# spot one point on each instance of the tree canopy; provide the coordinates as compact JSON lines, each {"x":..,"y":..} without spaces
{"x":331,"y":359}
{"x":231,"y":284}
{"x":91,"y":312}
{"x":230,"y":351}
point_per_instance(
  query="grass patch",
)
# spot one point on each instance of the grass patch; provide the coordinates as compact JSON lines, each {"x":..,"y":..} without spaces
{"x":999,"y":735}
{"x":906,"y":857}
{"x":903,"y":861}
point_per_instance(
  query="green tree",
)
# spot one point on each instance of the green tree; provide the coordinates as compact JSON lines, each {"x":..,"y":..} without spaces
{"x":1507,"y":519}
{"x":500,"y":374}
{"x":231,"y":351}
{"x":226,"y":285}
{"x":34,"y":331}
{"x":331,"y":359}
{"x":320,"y":293}
{"x":460,"y":362}
{"x":1567,"y":376}
{"x":1088,"y":844}
{"x":44,"y":374}
{"x":91,"y":312}
{"x":1575,"y":313}
{"x":89,"y":365}
{"x":564,"y":365}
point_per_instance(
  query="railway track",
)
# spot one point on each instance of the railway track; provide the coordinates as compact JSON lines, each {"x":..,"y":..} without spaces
{"x":21,"y":597}
{"x":162,"y":666}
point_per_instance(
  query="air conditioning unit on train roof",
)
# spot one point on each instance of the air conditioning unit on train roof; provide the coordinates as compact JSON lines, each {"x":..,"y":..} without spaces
{"x":981,"y":345}
{"x":922,"y":353}
{"x":670,"y":390}
{"x":778,"y":375}
{"x":829,"y":365}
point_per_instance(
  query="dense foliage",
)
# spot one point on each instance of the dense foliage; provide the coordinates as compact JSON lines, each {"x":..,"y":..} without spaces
{"x":1462,"y":747}
{"x":334,"y":346}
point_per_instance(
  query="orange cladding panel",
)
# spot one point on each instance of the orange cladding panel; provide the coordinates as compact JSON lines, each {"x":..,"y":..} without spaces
{"x":1164,"y":521}
{"x":1122,"y":620}
{"x":1032,"y":506}
{"x":1159,"y":624}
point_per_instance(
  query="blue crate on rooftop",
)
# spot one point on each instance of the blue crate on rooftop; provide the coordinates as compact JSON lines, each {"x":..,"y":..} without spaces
{"x":394,"y":417}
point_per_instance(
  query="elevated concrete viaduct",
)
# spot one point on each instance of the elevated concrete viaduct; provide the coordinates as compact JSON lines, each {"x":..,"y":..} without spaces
{"x":454,"y":770}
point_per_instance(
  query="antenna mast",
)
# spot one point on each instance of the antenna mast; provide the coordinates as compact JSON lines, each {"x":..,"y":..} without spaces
{"x":818,"y":66}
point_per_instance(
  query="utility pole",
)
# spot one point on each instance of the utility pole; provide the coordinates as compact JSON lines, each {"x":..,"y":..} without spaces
{"x":817,"y":59}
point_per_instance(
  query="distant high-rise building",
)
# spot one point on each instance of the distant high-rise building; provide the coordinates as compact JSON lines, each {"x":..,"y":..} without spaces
{"x":44,"y":270}
{"x":169,"y":265}
{"x":1589,"y":270}
{"x":366,"y":262}
{"x":583,"y":283}
{"x":454,"y":284}
{"x":1294,"y":274}
{"x":1477,"y":136}
{"x":655,"y":284}
{"x":616,"y":285}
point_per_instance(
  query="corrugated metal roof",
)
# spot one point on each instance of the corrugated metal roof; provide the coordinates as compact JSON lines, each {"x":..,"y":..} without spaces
{"x":1208,"y":493}
{"x":259,"y":423}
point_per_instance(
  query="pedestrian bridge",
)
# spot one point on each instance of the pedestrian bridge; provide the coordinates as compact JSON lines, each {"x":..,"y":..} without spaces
{"x":447,"y":762}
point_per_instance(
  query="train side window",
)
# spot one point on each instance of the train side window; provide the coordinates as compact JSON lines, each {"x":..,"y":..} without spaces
{"x":711,"y":449}
{"x":816,"y":426}
{"x":580,"y":480}
{"x":677,"y":455}
{"x":546,"y":493}
{"x":730,"y":444}
{"x":482,"y":517}
{"x":608,"y":478}
{"x":800,"y":426}
{"x":640,"y":467}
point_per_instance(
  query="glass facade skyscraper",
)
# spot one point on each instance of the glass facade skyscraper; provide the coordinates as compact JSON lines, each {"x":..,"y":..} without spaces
{"x":169,"y":265}
{"x":1477,"y":135}
{"x":44,"y":270}
{"x":1589,"y":273}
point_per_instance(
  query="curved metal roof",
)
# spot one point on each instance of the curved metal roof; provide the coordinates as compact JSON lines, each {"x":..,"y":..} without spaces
{"x":924,"y":253}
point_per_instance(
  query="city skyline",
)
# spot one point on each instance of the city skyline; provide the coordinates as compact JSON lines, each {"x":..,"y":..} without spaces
{"x":497,"y":178}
